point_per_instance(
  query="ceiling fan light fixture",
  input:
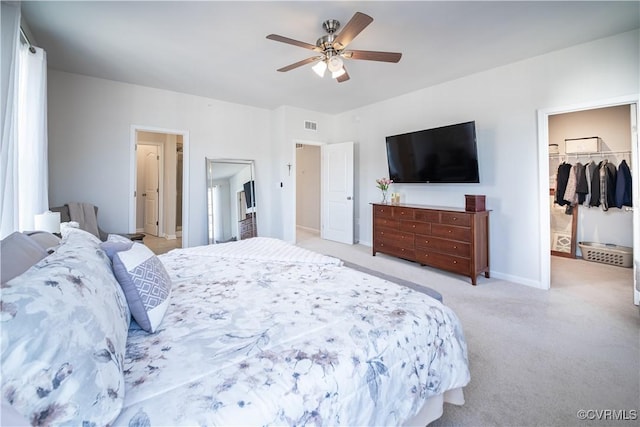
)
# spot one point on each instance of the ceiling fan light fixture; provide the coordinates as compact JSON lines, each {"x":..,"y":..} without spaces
{"x":334,"y":64}
{"x":320,"y":68}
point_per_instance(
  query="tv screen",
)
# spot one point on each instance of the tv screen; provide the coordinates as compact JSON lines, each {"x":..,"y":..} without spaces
{"x":446,"y":154}
{"x":249,"y":191}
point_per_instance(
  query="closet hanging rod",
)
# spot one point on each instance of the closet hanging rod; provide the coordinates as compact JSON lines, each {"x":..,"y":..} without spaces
{"x":578,"y":139}
{"x":598,"y":154}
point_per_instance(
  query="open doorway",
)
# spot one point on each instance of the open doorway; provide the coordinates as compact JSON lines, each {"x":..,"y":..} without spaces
{"x":593,"y":134}
{"x":308,"y":190}
{"x":158,"y":207}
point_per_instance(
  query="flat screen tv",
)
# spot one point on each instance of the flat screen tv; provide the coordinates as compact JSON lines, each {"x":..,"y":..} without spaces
{"x":249,"y":191}
{"x":446,"y":154}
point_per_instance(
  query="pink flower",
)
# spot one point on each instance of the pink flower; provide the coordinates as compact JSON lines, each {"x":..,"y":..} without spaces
{"x":383,"y":183}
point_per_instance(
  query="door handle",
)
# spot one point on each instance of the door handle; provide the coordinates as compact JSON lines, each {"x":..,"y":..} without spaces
{"x":348,"y":197}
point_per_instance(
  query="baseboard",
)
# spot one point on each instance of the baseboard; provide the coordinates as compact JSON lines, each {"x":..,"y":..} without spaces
{"x":312,"y":230}
{"x":170,"y":236}
{"x":517,"y":279}
{"x":140,"y":230}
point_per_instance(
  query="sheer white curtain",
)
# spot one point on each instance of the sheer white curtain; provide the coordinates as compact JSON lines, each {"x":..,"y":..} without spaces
{"x":33,"y":176}
{"x":8,"y":151}
{"x":23,"y":155}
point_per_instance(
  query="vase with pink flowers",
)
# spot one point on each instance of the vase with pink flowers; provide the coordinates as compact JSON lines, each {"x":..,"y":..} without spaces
{"x":383,"y":184}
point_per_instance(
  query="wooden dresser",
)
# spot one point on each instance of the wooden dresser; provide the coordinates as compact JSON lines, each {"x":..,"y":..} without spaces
{"x":248,"y":227}
{"x":447,"y":238}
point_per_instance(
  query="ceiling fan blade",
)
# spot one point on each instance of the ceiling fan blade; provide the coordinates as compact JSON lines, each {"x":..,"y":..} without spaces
{"x":287,"y":40}
{"x":344,"y":77}
{"x":358,"y":22}
{"x":372,"y":55}
{"x":300,"y":63}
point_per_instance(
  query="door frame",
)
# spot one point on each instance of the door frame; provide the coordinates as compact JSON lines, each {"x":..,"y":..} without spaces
{"x":160,"y":153}
{"x":295,"y":185}
{"x":133,"y":176}
{"x":543,"y":174}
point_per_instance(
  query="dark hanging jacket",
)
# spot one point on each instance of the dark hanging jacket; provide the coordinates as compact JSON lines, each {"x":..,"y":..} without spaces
{"x":561,"y":183}
{"x":595,"y":186}
{"x":623,"y":185}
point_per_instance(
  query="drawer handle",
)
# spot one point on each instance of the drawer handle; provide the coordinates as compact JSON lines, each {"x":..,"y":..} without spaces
{"x":382,"y":232}
{"x":450,"y":231}
{"x":414,"y":226}
{"x":426,"y":241}
{"x":455,"y":262}
{"x":402,"y":250}
{"x":455,"y":218}
{"x":455,"y":247}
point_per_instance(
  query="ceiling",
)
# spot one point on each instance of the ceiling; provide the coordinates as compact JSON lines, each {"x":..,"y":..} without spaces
{"x":219,"y":50}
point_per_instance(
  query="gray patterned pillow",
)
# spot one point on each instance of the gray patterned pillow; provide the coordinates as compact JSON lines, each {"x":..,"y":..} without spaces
{"x":146,"y":284}
{"x":64,"y":326}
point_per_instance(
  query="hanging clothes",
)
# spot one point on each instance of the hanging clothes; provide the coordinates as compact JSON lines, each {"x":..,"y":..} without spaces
{"x":570,"y":192}
{"x":623,"y":185}
{"x":595,"y":186}
{"x":589,"y":169}
{"x":608,"y":174}
{"x":562,"y":177}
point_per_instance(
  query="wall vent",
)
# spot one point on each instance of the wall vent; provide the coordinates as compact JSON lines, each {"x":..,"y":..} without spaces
{"x":309,"y":125}
{"x":299,"y":146}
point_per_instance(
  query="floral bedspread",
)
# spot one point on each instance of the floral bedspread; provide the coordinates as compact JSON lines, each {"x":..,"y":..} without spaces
{"x":288,"y":340}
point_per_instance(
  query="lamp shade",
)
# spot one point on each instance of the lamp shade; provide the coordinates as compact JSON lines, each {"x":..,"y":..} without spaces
{"x":334,"y":64}
{"x":337,"y":73}
{"x":48,"y":221}
{"x":320,"y":68}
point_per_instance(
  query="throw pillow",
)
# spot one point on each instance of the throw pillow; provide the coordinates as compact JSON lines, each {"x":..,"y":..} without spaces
{"x":146,"y":284}
{"x":111,"y":247}
{"x":18,"y":253}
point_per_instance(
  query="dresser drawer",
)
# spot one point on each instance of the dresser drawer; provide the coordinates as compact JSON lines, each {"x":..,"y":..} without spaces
{"x":402,"y":212}
{"x":397,"y":238}
{"x":446,"y":262}
{"x":455,"y":218}
{"x":392,"y":249}
{"x":451,"y":232}
{"x":389,"y":223}
{"x":415,"y":227}
{"x":437,"y":244}
{"x":427,"y":216}
{"x":382,"y":211}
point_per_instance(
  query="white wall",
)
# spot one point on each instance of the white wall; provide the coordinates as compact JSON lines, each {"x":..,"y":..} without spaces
{"x":503,"y":102}
{"x":89,"y":145}
{"x":288,"y":123}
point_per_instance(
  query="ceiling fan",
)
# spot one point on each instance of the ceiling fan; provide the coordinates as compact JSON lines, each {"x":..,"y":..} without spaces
{"x":332,"y":48}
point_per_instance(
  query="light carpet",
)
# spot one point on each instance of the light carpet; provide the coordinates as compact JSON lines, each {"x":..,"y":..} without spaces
{"x":536,"y":357}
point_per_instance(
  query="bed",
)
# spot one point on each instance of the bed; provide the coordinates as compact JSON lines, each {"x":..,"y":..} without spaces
{"x":254,"y":332}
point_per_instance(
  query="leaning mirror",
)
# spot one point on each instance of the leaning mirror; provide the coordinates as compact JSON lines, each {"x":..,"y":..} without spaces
{"x":231,"y":200}
{"x":563,"y":229}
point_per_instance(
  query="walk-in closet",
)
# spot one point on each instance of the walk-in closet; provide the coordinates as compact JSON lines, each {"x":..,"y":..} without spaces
{"x":591,"y":168}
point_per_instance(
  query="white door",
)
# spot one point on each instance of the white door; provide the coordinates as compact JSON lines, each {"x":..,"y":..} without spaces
{"x":635,"y":192}
{"x":337,"y":192}
{"x":151,"y":191}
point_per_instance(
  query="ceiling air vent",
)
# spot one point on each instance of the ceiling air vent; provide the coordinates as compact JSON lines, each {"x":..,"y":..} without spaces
{"x":309,"y":125}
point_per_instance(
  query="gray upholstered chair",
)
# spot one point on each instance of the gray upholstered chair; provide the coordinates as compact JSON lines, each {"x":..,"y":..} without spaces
{"x":66,"y":217}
